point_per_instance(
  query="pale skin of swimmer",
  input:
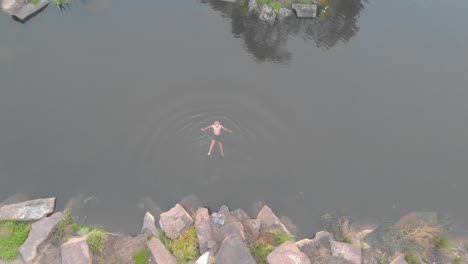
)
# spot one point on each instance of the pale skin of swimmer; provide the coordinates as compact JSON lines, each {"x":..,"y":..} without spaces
{"x":217,"y":127}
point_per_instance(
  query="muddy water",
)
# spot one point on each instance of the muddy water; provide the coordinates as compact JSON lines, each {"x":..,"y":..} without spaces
{"x":362,"y":112}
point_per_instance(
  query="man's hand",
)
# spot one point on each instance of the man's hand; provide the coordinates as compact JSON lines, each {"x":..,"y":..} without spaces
{"x":203,"y":129}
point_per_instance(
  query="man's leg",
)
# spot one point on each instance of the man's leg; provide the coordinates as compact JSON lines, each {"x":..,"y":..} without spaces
{"x":221,"y":148}
{"x":211,"y":147}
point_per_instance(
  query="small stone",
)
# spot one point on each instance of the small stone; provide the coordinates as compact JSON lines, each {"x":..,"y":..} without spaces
{"x":175,"y":221}
{"x":39,"y":233}
{"x":305,"y":10}
{"x":284,"y":13}
{"x":149,"y":228}
{"x":159,"y":252}
{"x":204,"y":231}
{"x":234,"y":251}
{"x":253,"y":6}
{"x":287,"y":253}
{"x":399,"y":260}
{"x":348,"y":252}
{"x":76,"y":251}
{"x":32,"y":210}
{"x":12,"y":7}
{"x":267,"y":14}
{"x":268,"y":221}
{"x":218,"y":219}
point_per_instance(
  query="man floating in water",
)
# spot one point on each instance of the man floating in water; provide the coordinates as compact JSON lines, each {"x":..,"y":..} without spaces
{"x":216,"y":136}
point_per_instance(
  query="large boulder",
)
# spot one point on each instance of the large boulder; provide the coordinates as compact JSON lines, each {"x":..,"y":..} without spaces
{"x":76,"y":251}
{"x":39,"y":233}
{"x":204,"y":231}
{"x":32,"y":210}
{"x":305,"y":10}
{"x":225,"y":224}
{"x":149,"y":228}
{"x":269,"y":221}
{"x":175,"y":221}
{"x":267,"y":14}
{"x":287,"y":253}
{"x":346,"y":253}
{"x":159,"y":252}
{"x":234,"y":251}
{"x":12,"y":7}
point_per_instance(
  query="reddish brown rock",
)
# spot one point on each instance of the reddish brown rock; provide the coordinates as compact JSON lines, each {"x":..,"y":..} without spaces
{"x":39,"y":233}
{"x":159,"y":252}
{"x":232,"y":228}
{"x":175,"y":221}
{"x":76,"y":251}
{"x":28,"y":211}
{"x":251,"y":230}
{"x":268,"y":221}
{"x":318,"y":249}
{"x":347,"y":252}
{"x":240,"y":215}
{"x":233,"y":251}
{"x":204,"y":231}
{"x":287,"y":253}
{"x":399,"y":260}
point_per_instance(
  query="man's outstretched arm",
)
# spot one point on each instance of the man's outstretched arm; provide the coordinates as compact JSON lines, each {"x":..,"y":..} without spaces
{"x":230,"y":131}
{"x":205,"y":128}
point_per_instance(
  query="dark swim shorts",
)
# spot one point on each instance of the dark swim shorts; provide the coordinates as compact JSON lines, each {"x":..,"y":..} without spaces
{"x":217,"y":138}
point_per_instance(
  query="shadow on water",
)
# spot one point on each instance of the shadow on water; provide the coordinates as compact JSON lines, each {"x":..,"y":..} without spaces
{"x":267,"y":42}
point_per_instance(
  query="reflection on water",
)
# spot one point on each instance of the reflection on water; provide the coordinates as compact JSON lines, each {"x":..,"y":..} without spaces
{"x":269,"y":42}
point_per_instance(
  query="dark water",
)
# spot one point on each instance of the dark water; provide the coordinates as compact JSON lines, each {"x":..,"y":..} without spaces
{"x":364,"y":111}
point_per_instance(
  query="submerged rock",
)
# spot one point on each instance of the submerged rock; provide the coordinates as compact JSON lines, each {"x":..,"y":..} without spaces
{"x":414,"y":219}
{"x":305,"y":10}
{"x":149,"y":227}
{"x":267,"y":14}
{"x":12,"y":7}
{"x":287,"y":253}
{"x":175,"y":221}
{"x":39,"y":233}
{"x":76,"y":251}
{"x":28,"y":211}
{"x":268,"y":221}
{"x":284,"y":13}
{"x":159,"y":252}
{"x":233,"y":251}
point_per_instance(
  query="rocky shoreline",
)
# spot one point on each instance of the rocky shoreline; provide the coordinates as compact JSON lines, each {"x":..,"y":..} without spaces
{"x":194,"y":235}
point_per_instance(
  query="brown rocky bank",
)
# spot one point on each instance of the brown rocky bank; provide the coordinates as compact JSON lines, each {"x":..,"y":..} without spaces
{"x":225,"y":237}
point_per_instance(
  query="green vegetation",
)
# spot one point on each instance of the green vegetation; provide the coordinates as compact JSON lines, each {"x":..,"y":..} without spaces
{"x":34,"y":2}
{"x":141,"y":256}
{"x":442,"y":243}
{"x":12,"y":235}
{"x":459,"y":260}
{"x":59,"y":233}
{"x":260,"y":252}
{"x":61,"y":3}
{"x":95,"y":240}
{"x":383,"y":259}
{"x":412,"y":257}
{"x":81,"y":229}
{"x":69,"y":218}
{"x":281,"y":236}
{"x":273,"y":3}
{"x":185,"y":248}
{"x":343,"y":230}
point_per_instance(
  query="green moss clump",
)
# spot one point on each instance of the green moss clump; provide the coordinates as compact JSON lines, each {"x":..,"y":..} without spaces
{"x":412,"y":257}
{"x":260,"y":252}
{"x":95,"y":240}
{"x":12,"y":236}
{"x":141,"y":256}
{"x":383,"y":259}
{"x":459,"y":260}
{"x":34,"y":2}
{"x":185,"y":248}
{"x":443,"y":242}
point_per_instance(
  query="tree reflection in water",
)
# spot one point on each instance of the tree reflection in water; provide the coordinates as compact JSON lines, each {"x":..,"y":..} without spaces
{"x":267,"y":42}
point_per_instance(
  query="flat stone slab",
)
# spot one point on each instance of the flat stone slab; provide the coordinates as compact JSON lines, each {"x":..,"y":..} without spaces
{"x":268,"y":221}
{"x":175,"y":221}
{"x":76,"y":251}
{"x":204,"y":231}
{"x":287,"y":253}
{"x":149,"y":228}
{"x":32,"y":210}
{"x":305,"y":10}
{"x":160,"y":253}
{"x":234,"y":251}
{"x":39,"y":233}
{"x":30,"y":9}
{"x":348,"y":252}
{"x":12,"y":7}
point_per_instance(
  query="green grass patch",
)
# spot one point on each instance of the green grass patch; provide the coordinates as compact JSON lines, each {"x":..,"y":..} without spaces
{"x":459,"y":260}
{"x":61,"y":3}
{"x":95,"y":240}
{"x":81,"y":229}
{"x":69,"y":218}
{"x":281,"y":236}
{"x":12,"y":236}
{"x":260,"y":252}
{"x":443,"y":242}
{"x":185,"y":248}
{"x":383,"y":259}
{"x":34,"y":2}
{"x":274,"y":4}
{"x":412,"y":257}
{"x":141,"y":256}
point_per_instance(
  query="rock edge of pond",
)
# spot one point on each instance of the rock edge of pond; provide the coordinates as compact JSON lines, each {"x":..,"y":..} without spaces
{"x":229,"y":236}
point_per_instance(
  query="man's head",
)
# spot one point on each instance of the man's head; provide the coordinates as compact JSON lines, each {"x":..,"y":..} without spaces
{"x":216,"y":123}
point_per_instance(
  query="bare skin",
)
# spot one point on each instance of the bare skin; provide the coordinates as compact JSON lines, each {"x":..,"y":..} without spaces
{"x":217,"y":127}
